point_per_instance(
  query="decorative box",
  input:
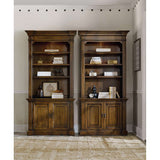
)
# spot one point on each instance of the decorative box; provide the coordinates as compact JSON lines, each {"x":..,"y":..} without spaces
{"x":112,"y":61}
{"x":43,"y":73}
{"x":110,"y":73}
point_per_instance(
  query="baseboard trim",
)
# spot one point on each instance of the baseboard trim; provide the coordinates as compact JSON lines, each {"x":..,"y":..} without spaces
{"x":130,"y":128}
{"x":76,"y":129}
{"x":138,"y":132}
{"x":21,"y":128}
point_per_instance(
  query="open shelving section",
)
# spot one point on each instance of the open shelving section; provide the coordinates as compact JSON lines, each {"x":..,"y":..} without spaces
{"x":105,"y":116}
{"x":49,"y":116}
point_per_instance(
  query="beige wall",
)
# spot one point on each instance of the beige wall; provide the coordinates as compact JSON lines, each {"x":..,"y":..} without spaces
{"x":68,"y":20}
{"x":140,"y":76}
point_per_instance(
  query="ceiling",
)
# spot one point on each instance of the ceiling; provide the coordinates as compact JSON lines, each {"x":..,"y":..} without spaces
{"x":72,"y":2}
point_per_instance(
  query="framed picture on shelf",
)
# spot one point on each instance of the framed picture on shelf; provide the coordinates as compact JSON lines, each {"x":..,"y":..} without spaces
{"x":137,"y":55}
{"x":49,"y":87}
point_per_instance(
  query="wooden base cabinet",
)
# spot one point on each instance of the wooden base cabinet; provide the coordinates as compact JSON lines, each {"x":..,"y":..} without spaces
{"x":51,"y":118}
{"x":102,"y":118}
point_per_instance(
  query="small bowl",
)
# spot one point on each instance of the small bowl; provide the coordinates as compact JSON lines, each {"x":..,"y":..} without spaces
{"x":91,"y":95}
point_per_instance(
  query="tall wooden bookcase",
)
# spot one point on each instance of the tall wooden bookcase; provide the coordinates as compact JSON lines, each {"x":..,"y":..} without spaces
{"x":50,"y":116}
{"x":103,"y":116}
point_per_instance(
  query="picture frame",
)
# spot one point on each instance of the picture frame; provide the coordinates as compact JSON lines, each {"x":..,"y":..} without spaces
{"x":49,"y":87}
{"x":137,"y":55}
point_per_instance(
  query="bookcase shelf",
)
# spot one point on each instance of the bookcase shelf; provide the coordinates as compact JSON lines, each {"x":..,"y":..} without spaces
{"x":103,"y":65}
{"x":91,"y":53}
{"x":106,"y":116}
{"x":102,"y":99}
{"x":102,"y":77}
{"x":52,"y":65}
{"x":51,"y":53}
{"x":51,"y":77}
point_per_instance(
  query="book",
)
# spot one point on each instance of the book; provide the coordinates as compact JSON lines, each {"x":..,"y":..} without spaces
{"x":117,"y":94}
{"x":103,"y":95}
{"x":43,"y":73}
{"x":58,"y":60}
{"x":103,"y":49}
{"x":51,"y":50}
{"x":57,"y":95}
{"x":110,"y":73}
{"x":112,"y":92}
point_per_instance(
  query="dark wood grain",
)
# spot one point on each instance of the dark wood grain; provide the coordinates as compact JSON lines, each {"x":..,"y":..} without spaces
{"x":103,"y":116}
{"x":50,"y":116}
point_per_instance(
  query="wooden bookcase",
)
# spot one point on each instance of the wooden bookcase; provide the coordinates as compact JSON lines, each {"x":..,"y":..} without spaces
{"x":49,"y":116}
{"x":103,"y":116}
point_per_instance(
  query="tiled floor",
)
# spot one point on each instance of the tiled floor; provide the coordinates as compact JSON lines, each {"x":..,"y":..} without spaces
{"x":78,"y":148}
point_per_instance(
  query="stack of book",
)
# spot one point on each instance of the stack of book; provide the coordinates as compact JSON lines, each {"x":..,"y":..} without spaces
{"x":58,"y":94}
{"x":112,"y":92}
{"x":58,"y":60}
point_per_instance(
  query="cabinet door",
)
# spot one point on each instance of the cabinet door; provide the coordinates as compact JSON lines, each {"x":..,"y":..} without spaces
{"x":60,"y":118}
{"x":41,"y":115}
{"x":94,"y":115}
{"x":113,"y":115}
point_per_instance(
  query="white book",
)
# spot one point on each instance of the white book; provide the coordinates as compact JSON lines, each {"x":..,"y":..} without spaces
{"x":51,"y":50}
{"x":57,"y":95}
{"x":110,"y":73}
{"x":58,"y":60}
{"x":103,"y":49}
{"x":43,"y":73}
{"x":103,"y":95}
{"x":112,"y":92}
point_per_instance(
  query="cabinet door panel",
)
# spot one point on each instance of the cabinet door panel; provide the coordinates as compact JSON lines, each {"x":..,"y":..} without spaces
{"x":41,"y":116}
{"x":113,"y":111}
{"x":60,"y":115}
{"x":94,"y":112}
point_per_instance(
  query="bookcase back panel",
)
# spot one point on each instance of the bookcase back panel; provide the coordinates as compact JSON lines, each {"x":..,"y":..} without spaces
{"x":41,"y":46}
{"x":63,"y":84}
{"x":52,"y":69}
{"x":115,"y":47}
{"x":100,"y":71}
{"x":48,"y":59}
{"x":102,"y":85}
{"x":104,"y":58}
